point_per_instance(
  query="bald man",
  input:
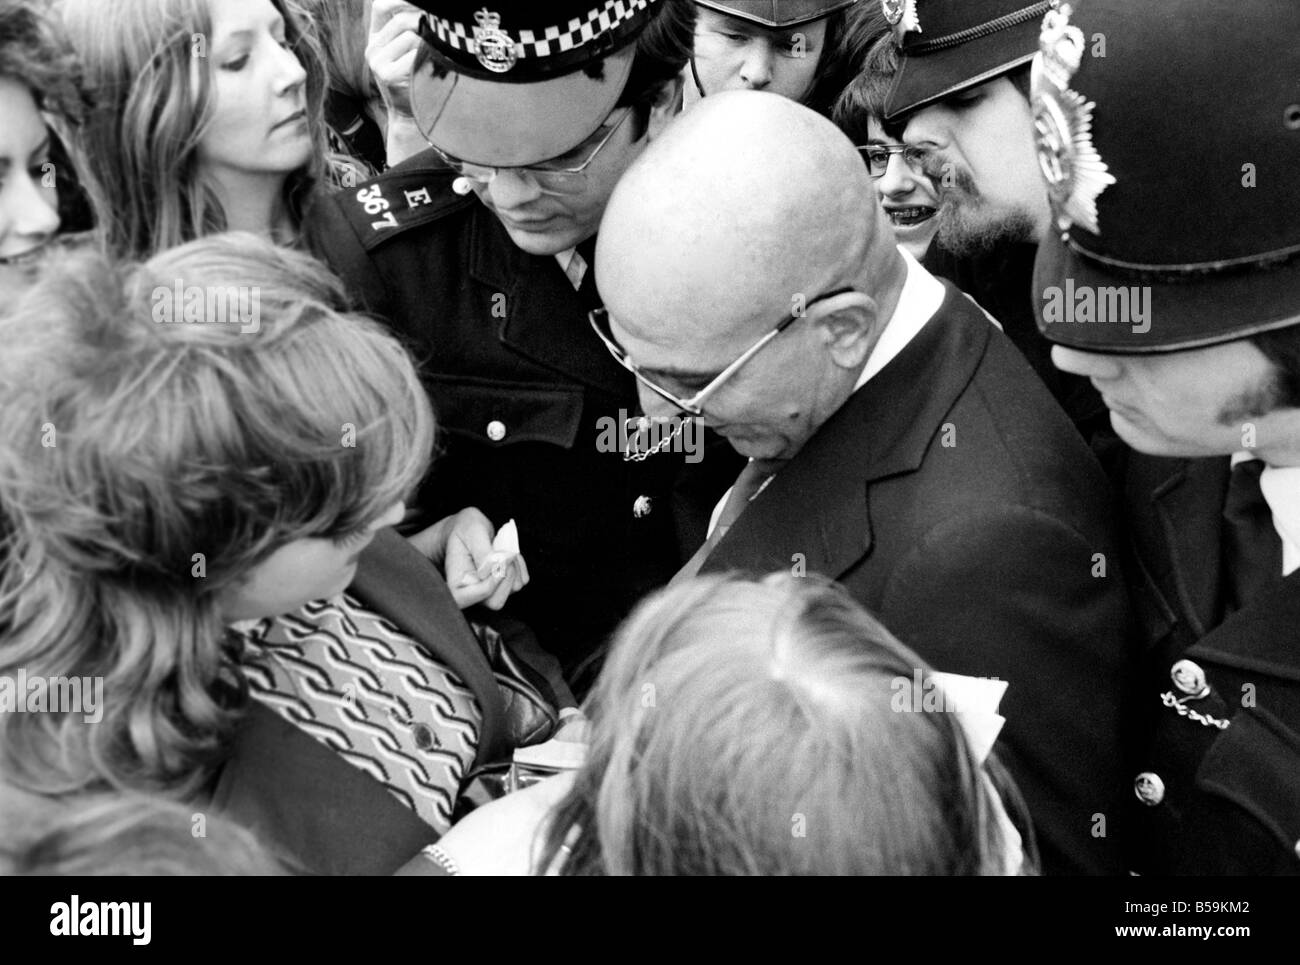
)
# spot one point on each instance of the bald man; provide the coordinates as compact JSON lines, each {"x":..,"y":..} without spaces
{"x":898,"y":443}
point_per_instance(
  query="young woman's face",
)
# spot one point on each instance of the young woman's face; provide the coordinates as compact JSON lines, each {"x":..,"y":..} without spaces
{"x":259,"y":123}
{"x":302,"y":571}
{"x":28,"y":203}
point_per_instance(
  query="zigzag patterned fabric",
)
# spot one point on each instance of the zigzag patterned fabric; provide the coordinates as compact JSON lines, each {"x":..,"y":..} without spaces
{"x":357,"y":684}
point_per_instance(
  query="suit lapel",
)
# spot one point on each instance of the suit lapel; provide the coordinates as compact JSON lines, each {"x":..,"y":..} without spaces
{"x":544,"y":317}
{"x":817,"y":507}
{"x":1264,"y":637}
{"x":1186,"y":496}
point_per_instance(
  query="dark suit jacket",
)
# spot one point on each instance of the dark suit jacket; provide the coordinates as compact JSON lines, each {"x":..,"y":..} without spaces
{"x":520,"y":385}
{"x":980,"y":555}
{"x":1230,"y":796}
{"x":312,"y":807}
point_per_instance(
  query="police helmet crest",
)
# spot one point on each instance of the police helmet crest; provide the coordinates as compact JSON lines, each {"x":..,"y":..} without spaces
{"x":1075,"y":173}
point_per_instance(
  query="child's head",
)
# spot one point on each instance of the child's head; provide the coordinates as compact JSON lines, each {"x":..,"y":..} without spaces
{"x":746,"y":727}
{"x":202,"y":437}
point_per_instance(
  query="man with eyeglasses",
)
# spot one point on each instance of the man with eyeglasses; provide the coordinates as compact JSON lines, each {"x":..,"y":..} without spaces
{"x":480,"y":251}
{"x":897,"y":441}
{"x":961,"y":94}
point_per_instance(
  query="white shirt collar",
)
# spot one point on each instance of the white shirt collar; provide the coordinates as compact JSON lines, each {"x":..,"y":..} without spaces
{"x":1281,"y":488}
{"x":918,"y":302}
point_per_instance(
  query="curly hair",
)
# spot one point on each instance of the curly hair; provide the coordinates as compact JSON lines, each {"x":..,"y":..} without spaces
{"x":148,"y":466}
{"x":735,"y":714}
{"x":33,"y":53}
{"x":138,"y":149}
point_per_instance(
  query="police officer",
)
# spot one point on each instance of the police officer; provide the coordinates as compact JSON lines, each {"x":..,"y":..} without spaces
{"x":794,"y":48}
{"x":479,"y":251}
{"x":962,"y":94}
{"x":1171,"y":279}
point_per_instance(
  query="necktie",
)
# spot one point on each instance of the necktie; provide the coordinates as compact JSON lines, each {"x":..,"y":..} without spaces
{"x":1252,"y":550}
{"x":748,"y":483}
{"x":585,"y":255}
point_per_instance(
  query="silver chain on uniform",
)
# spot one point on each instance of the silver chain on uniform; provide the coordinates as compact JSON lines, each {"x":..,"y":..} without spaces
{"x":633,"y":453}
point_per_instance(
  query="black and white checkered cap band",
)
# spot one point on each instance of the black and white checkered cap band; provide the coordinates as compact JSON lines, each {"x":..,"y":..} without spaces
{"x":550,"y":41}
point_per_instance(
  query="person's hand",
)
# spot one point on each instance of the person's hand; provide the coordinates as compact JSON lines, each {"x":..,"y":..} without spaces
{"x":575,"y":729}
{"x":505,"y":837}
{"x":476,"y":571}
{"x":390,"y":52}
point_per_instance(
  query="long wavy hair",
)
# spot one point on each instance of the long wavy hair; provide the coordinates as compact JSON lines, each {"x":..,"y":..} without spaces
{"x":152,"y":101}
{"x":147,"y":465}
{"x":748,"y":727}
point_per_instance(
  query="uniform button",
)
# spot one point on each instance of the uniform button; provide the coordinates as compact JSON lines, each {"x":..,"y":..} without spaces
{"x":496,"y":430}
{"x":1149,"y":788}
{"x":641,"y":508}
{"x":1297,"y":849}
{"x":1189,"y":678}
{"x":424,"y":737}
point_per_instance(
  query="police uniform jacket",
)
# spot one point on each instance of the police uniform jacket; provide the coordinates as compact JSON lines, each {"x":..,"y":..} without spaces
{"x":526,"y":395}
{"x":952,"y":497}
{"x":1217,"y":789}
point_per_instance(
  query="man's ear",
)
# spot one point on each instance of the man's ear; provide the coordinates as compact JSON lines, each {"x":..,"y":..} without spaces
{"x":850,"y":331}
{"x":666,"y":105}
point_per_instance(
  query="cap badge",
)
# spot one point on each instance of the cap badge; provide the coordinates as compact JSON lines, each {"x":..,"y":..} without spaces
{"x":901,"y":12}
{"x":495,"y":47}
{"x":1075,"y":173}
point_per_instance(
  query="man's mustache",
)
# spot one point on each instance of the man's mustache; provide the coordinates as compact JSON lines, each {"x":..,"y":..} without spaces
{"x":948,"y":177}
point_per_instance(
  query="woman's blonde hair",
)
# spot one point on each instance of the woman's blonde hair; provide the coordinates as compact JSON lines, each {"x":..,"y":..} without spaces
{"x":117,"y":835}
{"x":750,"y":727}
{"x":145,"y":70}
{"x":168,"y":426}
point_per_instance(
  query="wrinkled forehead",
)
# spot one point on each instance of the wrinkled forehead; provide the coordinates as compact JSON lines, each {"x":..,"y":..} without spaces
{"x":686,"y":339}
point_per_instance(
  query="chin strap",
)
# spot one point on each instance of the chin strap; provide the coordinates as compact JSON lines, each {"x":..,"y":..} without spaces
{"x":695,"y":75}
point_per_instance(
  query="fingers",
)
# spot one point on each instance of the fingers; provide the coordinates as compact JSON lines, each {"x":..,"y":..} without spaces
{"x":383,"y":33}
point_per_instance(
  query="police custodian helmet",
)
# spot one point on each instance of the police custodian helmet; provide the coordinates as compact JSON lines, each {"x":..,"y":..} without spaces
{"x":509,"y":83}
{"x":946,"y":46}
{"x":1169,"y":134}
{"x":778,"y":14}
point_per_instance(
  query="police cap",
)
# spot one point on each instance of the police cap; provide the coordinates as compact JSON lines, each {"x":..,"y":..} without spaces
{"x":509,"y":83}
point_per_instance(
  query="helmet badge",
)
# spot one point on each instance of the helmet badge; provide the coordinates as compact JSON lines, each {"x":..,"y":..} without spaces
{"x":1075,"y":173}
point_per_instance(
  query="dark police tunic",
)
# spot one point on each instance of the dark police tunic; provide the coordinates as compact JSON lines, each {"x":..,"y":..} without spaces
{"x":520,"y":385}
{"x":1217,"y":789}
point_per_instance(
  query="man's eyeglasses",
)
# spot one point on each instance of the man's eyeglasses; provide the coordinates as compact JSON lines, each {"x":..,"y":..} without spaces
{"x":877,"y":157}
{"x":566,"y":174}
{"x":695,"y":404}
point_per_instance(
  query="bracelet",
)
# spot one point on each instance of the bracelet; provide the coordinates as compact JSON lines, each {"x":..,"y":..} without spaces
{"x":442,"y":859}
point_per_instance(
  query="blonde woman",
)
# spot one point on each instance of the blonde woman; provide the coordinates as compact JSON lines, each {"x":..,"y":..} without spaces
{"x":206,"y":439}
{"x":770,"y":727}
{"x":208,"y":116}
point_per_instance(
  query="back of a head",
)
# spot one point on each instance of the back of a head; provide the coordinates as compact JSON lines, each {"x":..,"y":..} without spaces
{"x":173,"y":423}
{"x":122,"y":835}
{"x":745,"y":727}
{"x":746,"y":186}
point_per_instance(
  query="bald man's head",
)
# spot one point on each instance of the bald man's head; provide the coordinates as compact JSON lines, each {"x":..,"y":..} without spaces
{"x":745,"y":203}
{"x":750,"y":213}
